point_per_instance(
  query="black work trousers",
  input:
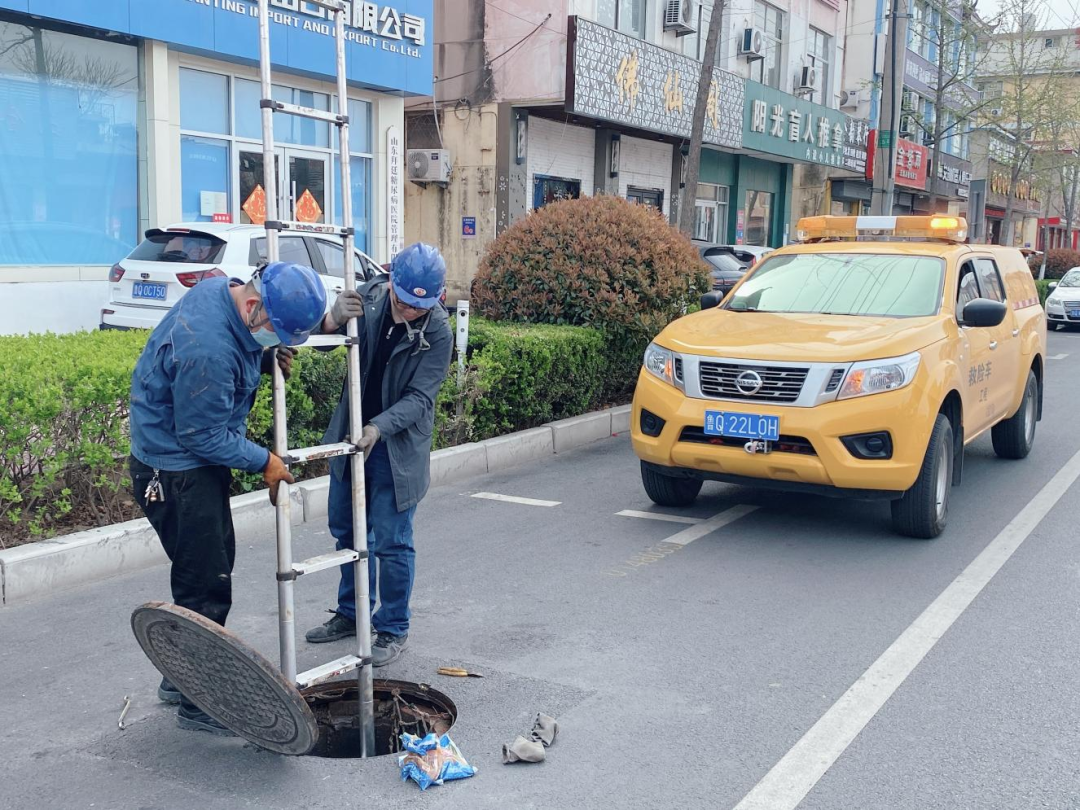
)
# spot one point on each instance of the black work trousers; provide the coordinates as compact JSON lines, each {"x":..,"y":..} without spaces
{"x":194,"y":524}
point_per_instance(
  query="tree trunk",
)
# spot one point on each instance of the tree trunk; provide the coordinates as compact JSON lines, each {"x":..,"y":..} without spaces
{"x":688,"y":197}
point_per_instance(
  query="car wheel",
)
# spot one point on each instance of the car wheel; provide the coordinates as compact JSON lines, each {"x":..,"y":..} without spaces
{"x":667,"y":490}
{"x":1014,"y":437}
{"x":923,"y":510}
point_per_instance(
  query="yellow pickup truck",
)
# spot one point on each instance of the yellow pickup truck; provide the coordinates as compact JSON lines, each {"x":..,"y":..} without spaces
{"x":858,"y":363}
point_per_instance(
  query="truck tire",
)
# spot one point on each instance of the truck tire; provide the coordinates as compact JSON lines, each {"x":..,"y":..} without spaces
{"x":1014,"y":437}
{"x":923,"y":510}
{"x":667,"y":490}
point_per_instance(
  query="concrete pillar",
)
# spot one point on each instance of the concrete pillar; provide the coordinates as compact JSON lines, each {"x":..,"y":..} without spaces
{"x":159,"y":151}
{"x":607,"y":162}
{"x":512,"y":166}
{"x":389,"y":111}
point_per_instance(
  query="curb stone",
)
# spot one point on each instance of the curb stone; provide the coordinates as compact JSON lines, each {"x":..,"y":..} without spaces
{"x":41,"y":568}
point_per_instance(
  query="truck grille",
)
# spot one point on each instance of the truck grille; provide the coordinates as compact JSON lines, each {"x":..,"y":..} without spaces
{"x":778,"y":384}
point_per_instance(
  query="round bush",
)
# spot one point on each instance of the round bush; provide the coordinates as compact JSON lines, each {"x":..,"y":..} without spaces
{"x":595,"y":261}
{"x":1058,"y":263}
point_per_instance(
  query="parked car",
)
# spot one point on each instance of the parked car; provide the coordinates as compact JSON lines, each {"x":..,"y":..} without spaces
{"x":1063,"y":303}
{"x":172,"y":260}
{"x":725,"y":266}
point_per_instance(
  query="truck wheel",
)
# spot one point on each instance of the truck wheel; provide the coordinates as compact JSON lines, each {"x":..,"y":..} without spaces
{"x":1014,"y":437}
{"x":666,"y":490}
{"x":923,"y":509}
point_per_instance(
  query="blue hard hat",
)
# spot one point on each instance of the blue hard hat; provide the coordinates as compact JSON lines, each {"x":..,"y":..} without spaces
{"x":295,"y":300}
{"x":418,"y":274}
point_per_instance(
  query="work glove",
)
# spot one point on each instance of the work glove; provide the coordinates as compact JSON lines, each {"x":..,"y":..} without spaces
{"x":284,"y":355}
{"x":274,"y":474}
{"x":544,"y":730}
{"x":349,"y":304}
{"x":523,"y":750}
{"x":368,"y":439}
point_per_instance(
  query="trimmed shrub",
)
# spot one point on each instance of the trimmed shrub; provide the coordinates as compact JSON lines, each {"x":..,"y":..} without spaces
{"x":1058,"y":263}
{"x":1043,"y":287}
{"x":601,"y":262}
{"x":64,"y":438}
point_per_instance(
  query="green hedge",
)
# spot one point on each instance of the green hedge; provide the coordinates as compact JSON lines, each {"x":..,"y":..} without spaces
{"x":1044,"y":290}
{"x":63,"y":425}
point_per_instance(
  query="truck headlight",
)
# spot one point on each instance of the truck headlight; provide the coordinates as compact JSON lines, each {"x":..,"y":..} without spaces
{"x":660,"y":362}
{"x":879,"y":376}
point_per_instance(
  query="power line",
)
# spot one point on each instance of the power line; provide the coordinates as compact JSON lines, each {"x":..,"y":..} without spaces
{"x":497,"y":57}
{"x":524,"y":19}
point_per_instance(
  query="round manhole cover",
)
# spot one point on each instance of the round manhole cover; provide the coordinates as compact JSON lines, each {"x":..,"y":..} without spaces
{"x":226,"y":678}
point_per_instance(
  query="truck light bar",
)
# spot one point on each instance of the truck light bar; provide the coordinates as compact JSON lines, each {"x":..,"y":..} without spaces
{"x":938,"y":228}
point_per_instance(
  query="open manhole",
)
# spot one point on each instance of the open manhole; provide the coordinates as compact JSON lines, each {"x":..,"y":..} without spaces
{"x":237,"y":686}
{"x":400,"y":707}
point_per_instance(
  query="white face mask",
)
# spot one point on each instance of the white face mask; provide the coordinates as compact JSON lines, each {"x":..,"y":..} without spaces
{"x":266,"y":338}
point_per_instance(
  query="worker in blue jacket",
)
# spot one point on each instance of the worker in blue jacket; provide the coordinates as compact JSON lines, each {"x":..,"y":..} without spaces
{"x":191,"y":393}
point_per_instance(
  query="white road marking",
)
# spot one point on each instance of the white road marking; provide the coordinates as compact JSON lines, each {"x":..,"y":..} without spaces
{"x":795,"y":775}
{"x":706,"y":527}
{"x":1058,"y":356}
{"x":491,"y":496}
{"x":658,"y":516}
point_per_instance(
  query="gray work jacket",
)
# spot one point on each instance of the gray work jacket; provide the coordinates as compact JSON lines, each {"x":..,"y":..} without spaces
{"x":411,"y":383}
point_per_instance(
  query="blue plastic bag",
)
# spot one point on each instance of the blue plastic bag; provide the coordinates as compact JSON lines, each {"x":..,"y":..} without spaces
{"x":432,"y":760}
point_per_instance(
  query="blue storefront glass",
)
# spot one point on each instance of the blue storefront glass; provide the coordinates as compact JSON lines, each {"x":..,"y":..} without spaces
{"x":204,"y":170}
{"x":68,"y":148}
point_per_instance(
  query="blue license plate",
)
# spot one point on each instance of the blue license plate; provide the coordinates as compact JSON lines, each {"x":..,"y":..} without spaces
{"x":742,"y":425}
{"x":1074,"y":314}
{"x":149,"y":289}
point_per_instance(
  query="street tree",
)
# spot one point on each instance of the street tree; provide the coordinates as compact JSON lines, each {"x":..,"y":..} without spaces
{"x":688,"y":198}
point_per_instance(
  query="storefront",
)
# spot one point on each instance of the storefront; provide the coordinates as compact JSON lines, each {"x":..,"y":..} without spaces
{"x":126,"y":115}
{"x":990,"y":202}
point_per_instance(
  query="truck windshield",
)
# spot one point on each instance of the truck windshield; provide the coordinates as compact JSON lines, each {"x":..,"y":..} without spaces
{"x":888,"y":285}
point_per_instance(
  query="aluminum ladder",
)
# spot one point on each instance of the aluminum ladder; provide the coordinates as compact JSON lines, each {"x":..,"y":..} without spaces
{"x":289,"y":571}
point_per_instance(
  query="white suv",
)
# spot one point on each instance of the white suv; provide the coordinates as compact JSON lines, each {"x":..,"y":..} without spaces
{"x":172,"y":260}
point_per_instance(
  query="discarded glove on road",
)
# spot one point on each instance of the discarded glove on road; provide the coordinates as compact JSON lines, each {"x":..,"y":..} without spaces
{"x":432,"y":760}
{"x":531,"y":748}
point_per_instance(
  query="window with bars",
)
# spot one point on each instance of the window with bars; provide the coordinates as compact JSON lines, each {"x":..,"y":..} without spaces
{"x":818,"y":50}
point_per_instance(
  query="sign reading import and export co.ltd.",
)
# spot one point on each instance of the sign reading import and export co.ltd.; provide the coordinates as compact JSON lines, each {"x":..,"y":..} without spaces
{"x":388,"y":44}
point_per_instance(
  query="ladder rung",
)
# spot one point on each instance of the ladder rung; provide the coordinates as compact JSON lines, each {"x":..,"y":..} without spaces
{"x":328,"y":671}
{"x":305,"y":112}
{"x":309,"y":227}
{"x":316,"y":341}
{"x":324,"y":561}
{"x":302,"y":455}
{"x":329,"y":5}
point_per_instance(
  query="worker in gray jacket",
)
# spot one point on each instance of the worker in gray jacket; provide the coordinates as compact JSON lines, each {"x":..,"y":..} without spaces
{"x":405,"y":348}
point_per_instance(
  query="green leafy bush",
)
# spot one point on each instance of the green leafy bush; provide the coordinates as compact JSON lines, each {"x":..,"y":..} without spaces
{"x":1043,"y":287}
{"x":1058,"y":263}
{"x":601,"y":262}
{"x":64,"y":436}
{"x":63,"y":430}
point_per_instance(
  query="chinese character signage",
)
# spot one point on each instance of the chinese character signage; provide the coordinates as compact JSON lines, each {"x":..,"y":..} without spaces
{"x":921,"y":76}
{"x":622,"y":79}
{"x":779,"y":124}
{"x":389,"y":43}
{"x":912,"y":166}
{"x":395,"y":204}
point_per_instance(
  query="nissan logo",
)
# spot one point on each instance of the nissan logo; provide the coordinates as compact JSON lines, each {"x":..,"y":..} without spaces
{"x":749,"y":383}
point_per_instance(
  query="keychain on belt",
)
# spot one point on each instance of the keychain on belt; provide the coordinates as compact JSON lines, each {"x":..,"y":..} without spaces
{"x":155,"y":493}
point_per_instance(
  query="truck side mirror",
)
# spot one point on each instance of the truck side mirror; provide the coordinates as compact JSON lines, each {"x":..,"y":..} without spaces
{"x":982,"y":312}
{"x":711,"y":300}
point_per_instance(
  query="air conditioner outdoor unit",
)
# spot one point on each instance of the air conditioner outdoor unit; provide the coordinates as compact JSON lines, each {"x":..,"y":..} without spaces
{"x":752,"y":44}
{"x":808,"y":78}
{"x":428,"y":165}
{"x":910,"y":100}
{"x":851,"y":98}
{"x":908,"y":126}
{"x":680,"y":16}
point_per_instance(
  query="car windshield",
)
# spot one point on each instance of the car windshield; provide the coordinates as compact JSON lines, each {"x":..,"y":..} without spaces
{"x":1071,"y":279}
{"x":899,"y":286}
{"x":189,"y":248}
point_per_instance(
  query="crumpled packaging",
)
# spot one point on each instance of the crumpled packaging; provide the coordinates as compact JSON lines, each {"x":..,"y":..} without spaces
{"x":432,"y":760}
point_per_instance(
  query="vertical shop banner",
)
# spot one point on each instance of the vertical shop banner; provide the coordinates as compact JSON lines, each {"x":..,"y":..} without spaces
{"x":395,"y":234}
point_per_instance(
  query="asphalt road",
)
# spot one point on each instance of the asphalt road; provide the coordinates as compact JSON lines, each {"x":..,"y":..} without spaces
{"x":681,"y":672}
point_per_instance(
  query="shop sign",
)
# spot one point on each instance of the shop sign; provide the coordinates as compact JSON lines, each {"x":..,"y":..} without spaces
{"x":921,"y":75}
{"x":912,"y":161}
{"x":395,"y":205}
{"x":780,"y":124}
{"x":953,"y":174}
{"x":618,"y":78}
{"x":1025,"y":190}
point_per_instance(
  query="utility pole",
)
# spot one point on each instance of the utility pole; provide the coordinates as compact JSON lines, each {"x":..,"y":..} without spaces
{"x":892,"y":92}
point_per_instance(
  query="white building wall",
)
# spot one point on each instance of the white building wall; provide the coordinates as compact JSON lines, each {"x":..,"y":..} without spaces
{"x":645,"y":164}
{"x":560,"y":150}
